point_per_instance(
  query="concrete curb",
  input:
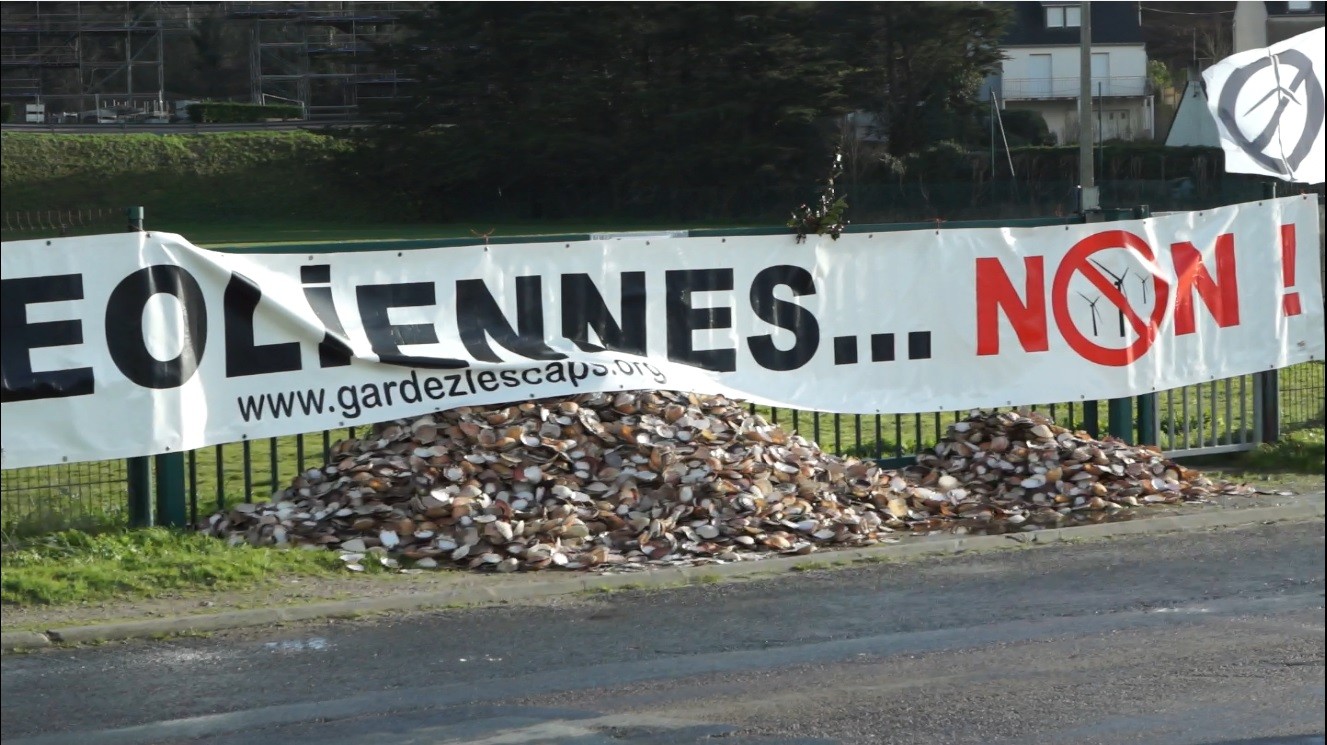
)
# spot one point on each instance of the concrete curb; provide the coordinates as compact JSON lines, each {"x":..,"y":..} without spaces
{"x":1307,"y":506}
{"x":11,"y":640}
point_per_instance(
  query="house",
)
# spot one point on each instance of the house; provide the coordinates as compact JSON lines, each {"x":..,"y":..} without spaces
{"x":1042,"y":65}
{"x":1259,"y":24}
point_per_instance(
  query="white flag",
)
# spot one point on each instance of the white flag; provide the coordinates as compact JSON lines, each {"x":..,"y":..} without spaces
{"x":1268,"y":106}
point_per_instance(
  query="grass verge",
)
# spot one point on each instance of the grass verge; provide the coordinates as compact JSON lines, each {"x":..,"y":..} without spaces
{"x":1303,"y":451}
{"x":1299,"y":453}
{"x":75,"y":567}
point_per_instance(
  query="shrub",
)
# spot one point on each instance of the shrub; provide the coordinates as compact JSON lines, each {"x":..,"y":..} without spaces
{"x":221,"y":111}
{"x":1024,"y":128}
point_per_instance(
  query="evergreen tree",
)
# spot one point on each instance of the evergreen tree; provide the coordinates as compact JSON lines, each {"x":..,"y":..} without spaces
{"x":542,"y":109}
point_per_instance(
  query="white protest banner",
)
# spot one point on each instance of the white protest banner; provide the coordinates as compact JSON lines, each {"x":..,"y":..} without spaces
{"x":136,"y":344}
{"x":1268,"y":106}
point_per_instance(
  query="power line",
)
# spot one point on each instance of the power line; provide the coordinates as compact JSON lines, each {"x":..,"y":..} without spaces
{"x":1183,"y":12}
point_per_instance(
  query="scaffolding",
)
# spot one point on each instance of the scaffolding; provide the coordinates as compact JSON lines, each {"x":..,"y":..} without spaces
{"x":94,"y":60}
{"x":106,"y":61}
{"x":319,"y":55}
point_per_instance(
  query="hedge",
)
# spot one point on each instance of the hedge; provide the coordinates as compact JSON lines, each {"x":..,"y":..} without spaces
{"x":950,"y":161}
{"x":206,"y":177}
{"x":222,"y":111}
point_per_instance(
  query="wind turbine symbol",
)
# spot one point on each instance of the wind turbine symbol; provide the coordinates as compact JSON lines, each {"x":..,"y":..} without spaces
{"x":1119,"y":285}
{"x":1284,"y":97}
{"x":1142,"y":281}
{"x":1092,"y":303}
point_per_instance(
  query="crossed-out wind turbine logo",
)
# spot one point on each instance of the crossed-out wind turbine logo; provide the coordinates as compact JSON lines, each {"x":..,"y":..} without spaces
{"x":1296,"y":89}
{"x":1269,"y":108}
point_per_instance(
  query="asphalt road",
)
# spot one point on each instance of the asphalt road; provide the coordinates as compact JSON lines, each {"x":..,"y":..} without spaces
{"x":1202,"y":638}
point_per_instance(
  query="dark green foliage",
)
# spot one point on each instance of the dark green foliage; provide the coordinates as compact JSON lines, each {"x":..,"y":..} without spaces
{"x":1125,"y":160}
{"x":828,"y":216}
{"x":547,"y":105}
{"x":225,"y":111}
{"x":668,"y":110}
{"x":918,"y":66}
{"x":1022,"y":128}
{"x":6,"y":112}
{"x":943,"y":161}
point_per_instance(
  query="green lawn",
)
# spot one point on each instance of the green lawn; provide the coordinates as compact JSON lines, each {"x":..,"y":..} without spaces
{"x":1303,"y":451}
{"x":74,"y":566}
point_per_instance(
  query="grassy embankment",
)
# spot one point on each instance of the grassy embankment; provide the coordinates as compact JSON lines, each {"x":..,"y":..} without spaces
{"x":215,"y":180}
{"x":223,"y":188}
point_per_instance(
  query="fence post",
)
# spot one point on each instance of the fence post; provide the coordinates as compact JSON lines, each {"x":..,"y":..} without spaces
{"x":1119,"y":418}
{"x":138,"y":471}
{"x":171,"y":500}
{"x":1091,"y":423}
{"x":1268,"y":388}
{"x":172,"y":510}
{"x":1147,"y":403}
{"x":1267,"y":385}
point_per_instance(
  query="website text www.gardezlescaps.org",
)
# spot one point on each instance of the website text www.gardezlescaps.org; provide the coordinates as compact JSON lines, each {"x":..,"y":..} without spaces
{"x":354,"y":401}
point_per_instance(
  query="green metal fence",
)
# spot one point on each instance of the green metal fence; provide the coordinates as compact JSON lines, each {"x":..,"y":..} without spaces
{"x":1201,"y":419}
{"x":1220,"y":416}
{"x":25,"y":225}
{"x":90,"y":496}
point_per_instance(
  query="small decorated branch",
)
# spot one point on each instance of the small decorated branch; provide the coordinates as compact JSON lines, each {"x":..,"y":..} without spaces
{"x":828,"y":216}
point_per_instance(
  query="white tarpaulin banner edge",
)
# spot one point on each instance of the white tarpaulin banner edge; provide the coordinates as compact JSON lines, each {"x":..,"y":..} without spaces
{"x":137,"y":344}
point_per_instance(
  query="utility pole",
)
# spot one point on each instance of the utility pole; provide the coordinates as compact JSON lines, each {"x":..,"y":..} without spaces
{"x":1089,"y":198}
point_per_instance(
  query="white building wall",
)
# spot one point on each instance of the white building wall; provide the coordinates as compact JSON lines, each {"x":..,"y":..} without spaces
{"x":1128,"y":72}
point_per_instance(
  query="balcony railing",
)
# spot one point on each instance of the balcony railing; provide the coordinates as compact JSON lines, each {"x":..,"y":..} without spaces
{"x":1013,"y":89}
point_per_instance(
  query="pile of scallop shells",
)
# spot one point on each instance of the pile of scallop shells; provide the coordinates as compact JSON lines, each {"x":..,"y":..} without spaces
{"x":634,"y":479}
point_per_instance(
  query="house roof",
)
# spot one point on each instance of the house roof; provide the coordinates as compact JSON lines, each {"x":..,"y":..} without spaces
{"x":1112,"y":23}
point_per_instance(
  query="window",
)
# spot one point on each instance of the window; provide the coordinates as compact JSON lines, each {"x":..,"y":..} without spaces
{"x":1064,"y":16}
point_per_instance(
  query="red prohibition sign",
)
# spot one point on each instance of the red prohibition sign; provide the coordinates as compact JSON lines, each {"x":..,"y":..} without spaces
{"x":1077,"y":261}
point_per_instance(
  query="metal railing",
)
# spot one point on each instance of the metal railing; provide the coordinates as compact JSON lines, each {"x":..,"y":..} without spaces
{"x":21,"y":225}
{"x":1016,"y":89}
